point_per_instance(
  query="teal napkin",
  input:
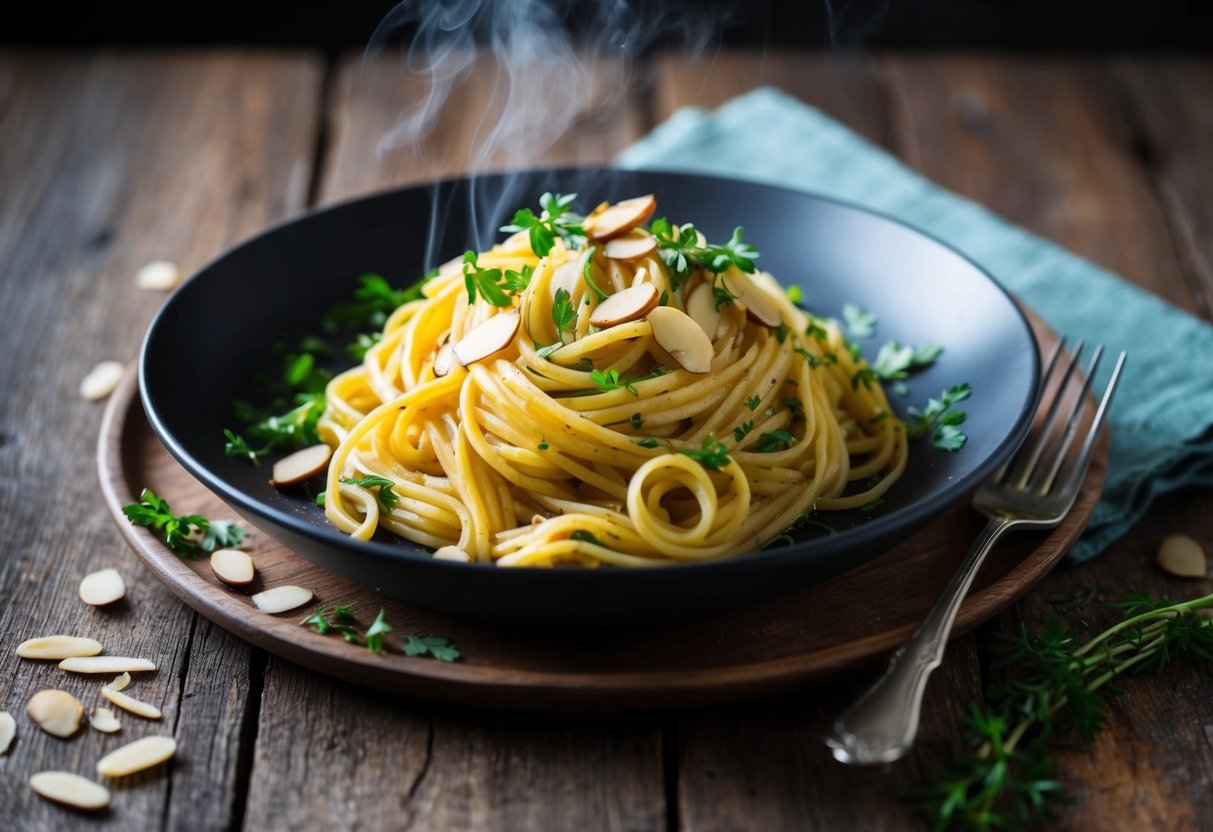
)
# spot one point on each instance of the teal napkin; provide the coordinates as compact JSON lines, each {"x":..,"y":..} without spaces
{"x":1162,"y":417}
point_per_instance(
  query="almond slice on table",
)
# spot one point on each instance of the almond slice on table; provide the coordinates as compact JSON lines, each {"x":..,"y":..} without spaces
{"x":137,"y":756}
{"x":759,"y":306}
{"x":682,"y":338}
{"x":1182,"y":556}
{"x":631,"y":246}
{"x":158,"y":276}
{"x":102,"y":587}
{"x":120,"y":682}
{"x":701,"y":306}
{"x":619,"y":218}
{"x":58,"y":647}
{"x":282,"y":598}
{"x":492,"y":336}
{"x":70,"y":789}
{"x":631,"y":304}
{"x":444,"y":360}
{"x":57,"y":712}
{"x":301,"y":466}
{"x":103,"y":720}
{"x":233,"y":567}
{"x":130,"y":703}
{"x":102,"y":380}
{"x":8,"y":731}
{"x":105,"y":664}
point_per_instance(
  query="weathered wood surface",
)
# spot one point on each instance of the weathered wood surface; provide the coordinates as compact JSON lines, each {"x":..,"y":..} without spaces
{"x":110,"y":160}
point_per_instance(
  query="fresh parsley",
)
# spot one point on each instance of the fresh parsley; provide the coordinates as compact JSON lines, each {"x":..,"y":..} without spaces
{"x":180,"y":533}
{"x":776,"y":440}
{"x":608,"y":380}
{"x":490,"y":284}
{"x":375,"y":633}
{"x":554,"y":220}
{"x":896,"y":361}
{"x":585,"y":537}
{"x":711,"y":454}
{"x":940,"y":420}
{"x":680,"y":249}
{"x":374,"y":299}
{"x":860,"y":323}
{"x":648,"y":442}
{"x":435,"y":647}
{"x":564,"y":313}
{"x":753,"y":401}
{"x":742,"y":431}
{"x":637,"y":421}
{"x":386,"y":496}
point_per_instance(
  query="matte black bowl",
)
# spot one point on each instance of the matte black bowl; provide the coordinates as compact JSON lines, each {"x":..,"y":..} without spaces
{"x":217,"y":333}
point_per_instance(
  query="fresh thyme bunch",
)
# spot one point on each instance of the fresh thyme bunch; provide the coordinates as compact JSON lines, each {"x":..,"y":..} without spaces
{"x":1005,"y":777}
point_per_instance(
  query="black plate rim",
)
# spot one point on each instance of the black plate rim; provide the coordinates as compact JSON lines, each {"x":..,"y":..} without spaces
{"x":904,"y":519}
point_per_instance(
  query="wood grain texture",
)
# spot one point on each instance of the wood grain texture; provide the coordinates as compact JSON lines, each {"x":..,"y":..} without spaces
{"x":110,"y":161}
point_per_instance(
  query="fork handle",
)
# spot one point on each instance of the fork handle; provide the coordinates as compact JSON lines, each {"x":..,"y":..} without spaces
{"x":881,"y":725}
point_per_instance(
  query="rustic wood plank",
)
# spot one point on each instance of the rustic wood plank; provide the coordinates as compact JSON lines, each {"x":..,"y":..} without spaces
{"x":845,"y":86}
{"x":1050,"y":145}
{"x":108,"y":161}
{"x":1171,"y":102}
{"x":370,"y":98}
{"x":483,"y":771}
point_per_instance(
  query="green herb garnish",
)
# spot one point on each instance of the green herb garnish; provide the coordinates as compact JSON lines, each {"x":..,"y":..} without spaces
{"x":712,"y":454}
{"x":435,"y":647}
{"x":682,"y":253}
{"x":860,"y":323}
{"x":939,"y":419}
{"x":554,"y":220}
{"x":753,"y":401}
{"x":156,"y":514}
{"x":387,"y":497}
{"x":776,"y":440}
{"x":895,"y":361}
{"x":742,"y":431}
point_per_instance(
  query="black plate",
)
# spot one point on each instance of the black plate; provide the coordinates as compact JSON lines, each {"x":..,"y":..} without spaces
{"x":218,"y":330}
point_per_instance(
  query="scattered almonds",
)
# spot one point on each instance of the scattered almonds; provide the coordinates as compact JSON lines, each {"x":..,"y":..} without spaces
{"x":631,"y":246}
{"x":120,"y":682}
{"x":444,"y":360}
{"x":701,"y":306}
{"x":301,"y":466}
{"x":130,"y":703}
{"x":8,"y":731}
{"x":71,"y":789}
{"x":631,"y":304}
{"x":233,"y":567}
{"x":758,"y":304}
{"x":101,"y":588}
{"x":158,"y":276}
{"x":102,"y":380}
{"x":682,"y":338}
{"x":58,"y":647}
{"x":57,"y":712}
{"x":620,"y":218}
{"x":105,"y":664}
{"x":492,"y":336}
{"x":282,"y":598}
{"x":1181,"y":555}
{"x":452,"y":553}
{"x":137,"y":756}
{"x":103,"y":720}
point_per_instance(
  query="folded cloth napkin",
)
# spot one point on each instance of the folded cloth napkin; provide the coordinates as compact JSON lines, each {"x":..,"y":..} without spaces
{"x":1162,"y":418}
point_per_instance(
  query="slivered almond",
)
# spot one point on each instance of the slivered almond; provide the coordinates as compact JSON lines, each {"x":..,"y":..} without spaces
{"x":102,"y":587}
{"x":57,"y":712}
{"x":444,"y":360}
{"x":492,"y":336}
{"x":641,"y":276}
{"x":8,"y":731}
{"x":282,"y":598}
{"x":631,"y":304}
{"x":452,"y":553}
{"x":130,"y":703}
{"x":58,"y":647}
{"x":301,"y":466}
{"x":158,"y":276}
{"x":1182,"y":556}
{"x":620,"y":218}
{"x":701,"y":306}
{"x":565,"y":277}
{"x":120,"y":682}
{"x":105,"y":664}
{"x":682,"y":338}
{"x":103,"y":720}
{"x":758,"y":304}
{"x":631,"y":246}
{"x":102,"y":380}
{"x":70,"y":789}
{"x":233,"y":567}
{"x":137,"y":756}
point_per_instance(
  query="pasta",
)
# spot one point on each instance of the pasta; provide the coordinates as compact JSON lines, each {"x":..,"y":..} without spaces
{"x":633,"y":397}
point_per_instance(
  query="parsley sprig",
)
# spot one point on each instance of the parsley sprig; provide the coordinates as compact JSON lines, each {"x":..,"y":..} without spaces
{"x":682,"y":253}
{"x":554,"y":220}
{"x":180,"y":533}
{"x":860,"y":323}
{"x":374,"y":299}
{"x":940,"y":420}
{"x":386,"y":496}
{"x":495,"y":286}
{"x":1006,"y":778}
{"x":712,"y":454}
{"x":340,"y":620}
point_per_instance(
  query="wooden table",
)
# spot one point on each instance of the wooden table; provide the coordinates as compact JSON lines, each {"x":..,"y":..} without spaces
{"x":109,"y":160}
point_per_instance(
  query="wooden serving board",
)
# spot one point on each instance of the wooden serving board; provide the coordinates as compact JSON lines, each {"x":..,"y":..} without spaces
{"x":772,"y":646}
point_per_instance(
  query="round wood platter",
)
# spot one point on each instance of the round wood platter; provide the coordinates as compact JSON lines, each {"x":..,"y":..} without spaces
{"x":772,"y":646}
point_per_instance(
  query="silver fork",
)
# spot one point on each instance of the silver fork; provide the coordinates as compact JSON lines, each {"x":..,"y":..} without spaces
{"x":1026,"y":493}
